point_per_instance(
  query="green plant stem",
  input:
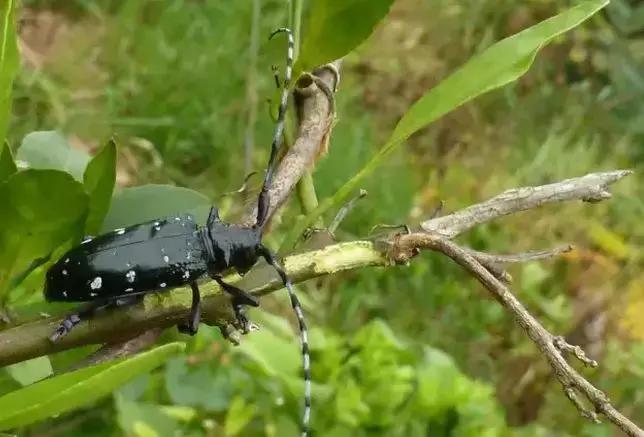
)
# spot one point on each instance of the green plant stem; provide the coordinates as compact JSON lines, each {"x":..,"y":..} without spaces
{"x":305,"y":187}
{"x":296,"y":23}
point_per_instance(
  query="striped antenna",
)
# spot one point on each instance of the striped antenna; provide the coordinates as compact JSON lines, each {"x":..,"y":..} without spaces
{"x":304,"y":335}
{"x":262,"y":200}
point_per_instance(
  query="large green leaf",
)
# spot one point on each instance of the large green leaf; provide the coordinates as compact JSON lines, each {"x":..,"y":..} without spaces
{"x":336,"y":27}
{"x":8,"y":62}
{"x":147,"y":202}
{"x":41,"y":210}
{"x":49,"y":149}
{"x":7,"y":165}
{"x":498,"y":65}
{"x":72,"y":390}
{"x":99,"y":178}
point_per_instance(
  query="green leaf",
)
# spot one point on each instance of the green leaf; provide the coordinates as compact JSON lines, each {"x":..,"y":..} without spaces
{"x":49,"y":149}
{"x":99,"y":178}
{"x":41,"y":210}
{"x":7,"y":165}
{"x":147,"y":202}
{"x":8,"y":62}
{"x":238,"y":416}
{"x":198,"y":385}
{"x":277,"y":356}
{"x":72,"y":390}
{"x":498,"y":65}
{"x":336,"y":27}
{"x":30,"y":371}
{"x":142,"y":419}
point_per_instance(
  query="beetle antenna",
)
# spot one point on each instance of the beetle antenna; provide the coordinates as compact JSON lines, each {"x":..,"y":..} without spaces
{"x":262,"y":200}
{"x":304,"y":336}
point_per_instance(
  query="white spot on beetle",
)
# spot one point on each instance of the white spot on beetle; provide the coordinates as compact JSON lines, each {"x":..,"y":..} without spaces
{"x":127,"y":290}
{"x":64,"y":294}
{"x":93,"y":294}
{"x":186,"y":274}
{"x":130,"y":275}
{"x":166,"y":258}
{"x":162,"y":285}
{"x":157,"y":226}
{"x":119,"y":231}
{"x":64,"y":272}
{"x":96,"y":283}
{"x":66,"y":260}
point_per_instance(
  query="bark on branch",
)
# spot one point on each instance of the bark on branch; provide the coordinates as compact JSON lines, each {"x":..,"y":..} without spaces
{"x":315,"y":109}
{"x":590,"y":188}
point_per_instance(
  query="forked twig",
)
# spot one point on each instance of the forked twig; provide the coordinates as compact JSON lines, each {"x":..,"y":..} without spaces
{"x":552,"y":347}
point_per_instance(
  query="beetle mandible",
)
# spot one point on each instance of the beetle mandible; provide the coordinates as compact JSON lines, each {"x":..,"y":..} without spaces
{"x":120,"y":267}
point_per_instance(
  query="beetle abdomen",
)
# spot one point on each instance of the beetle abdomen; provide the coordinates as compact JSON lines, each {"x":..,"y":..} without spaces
{"x":156,"y":255}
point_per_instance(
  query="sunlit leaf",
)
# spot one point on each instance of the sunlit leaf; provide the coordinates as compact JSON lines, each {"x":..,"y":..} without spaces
{"x":50,"y":150}
{"x":30,"y":371}
{"x":238,"y":415}
{"x":336,"y":27}
{"x":70,"y":391}
{"x":99,"y":178}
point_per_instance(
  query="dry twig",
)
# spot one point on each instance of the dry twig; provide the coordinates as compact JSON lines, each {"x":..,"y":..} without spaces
{"x":552,"y":347}
{"x":315,"y":114}
{"x":590,"y":188}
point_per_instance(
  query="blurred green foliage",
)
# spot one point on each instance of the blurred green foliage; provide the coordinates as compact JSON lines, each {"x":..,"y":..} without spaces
{"x":414,"y":350}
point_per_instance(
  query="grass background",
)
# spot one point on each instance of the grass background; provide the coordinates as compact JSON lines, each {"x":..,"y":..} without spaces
{"x":169,"y":79}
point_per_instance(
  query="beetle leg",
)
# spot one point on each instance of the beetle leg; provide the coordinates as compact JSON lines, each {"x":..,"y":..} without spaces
{"x":191,"y":325}
{"x":74,"y":319}
{"x":87,"y":312}
{"x":240,"y":299}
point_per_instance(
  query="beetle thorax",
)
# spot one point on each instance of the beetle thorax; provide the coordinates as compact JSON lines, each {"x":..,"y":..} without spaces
{"x":231,"y":246}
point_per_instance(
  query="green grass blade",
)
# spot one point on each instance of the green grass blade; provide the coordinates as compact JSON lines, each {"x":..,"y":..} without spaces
{"x":8,"y":62}
{"x":72,"y":390}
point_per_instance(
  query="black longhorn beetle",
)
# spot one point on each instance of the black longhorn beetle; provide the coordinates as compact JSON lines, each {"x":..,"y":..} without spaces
{"x":120,"y":267}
